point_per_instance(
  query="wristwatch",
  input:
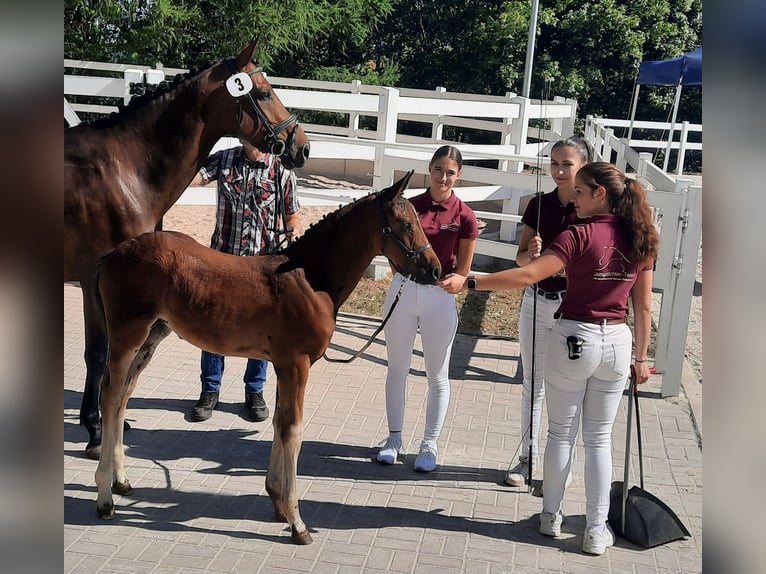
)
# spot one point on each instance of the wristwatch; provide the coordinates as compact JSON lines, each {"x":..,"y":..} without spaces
{"x":471,"y":282}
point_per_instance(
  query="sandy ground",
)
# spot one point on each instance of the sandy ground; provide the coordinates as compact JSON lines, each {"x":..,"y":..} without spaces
{"x":198,"y":221}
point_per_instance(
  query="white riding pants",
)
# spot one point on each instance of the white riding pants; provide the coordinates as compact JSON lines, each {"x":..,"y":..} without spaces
{"x":545,"y":310}
{"x":587,"y":389}
{"x":433,"y":310}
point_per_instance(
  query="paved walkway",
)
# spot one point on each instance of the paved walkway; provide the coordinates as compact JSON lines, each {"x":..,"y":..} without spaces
{"x":200,"y":503}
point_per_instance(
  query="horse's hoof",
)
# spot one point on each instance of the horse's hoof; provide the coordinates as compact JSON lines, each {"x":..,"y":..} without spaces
{"x":279,"y":517}
{"x":106,"y":513}
{"x":302,"y":538}
{"x":122,"y":488}
{"x":93,"y":451}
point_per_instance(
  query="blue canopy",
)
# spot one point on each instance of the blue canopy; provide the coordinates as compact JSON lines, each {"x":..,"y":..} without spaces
{"x":686,"y":68}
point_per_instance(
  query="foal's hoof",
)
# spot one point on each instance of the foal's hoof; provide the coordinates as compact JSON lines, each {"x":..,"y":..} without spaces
{"x":122,"y":488}
{"x":106,"y":513}
{"x":302,"y":538}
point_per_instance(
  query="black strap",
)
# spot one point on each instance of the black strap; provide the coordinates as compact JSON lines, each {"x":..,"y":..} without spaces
{"x":375,"y":334}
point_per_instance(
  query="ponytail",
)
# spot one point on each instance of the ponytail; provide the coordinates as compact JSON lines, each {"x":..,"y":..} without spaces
{"x":627,"y":200}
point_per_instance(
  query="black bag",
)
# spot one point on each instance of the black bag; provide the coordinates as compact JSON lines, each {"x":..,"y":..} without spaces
{"x":635,"y":514}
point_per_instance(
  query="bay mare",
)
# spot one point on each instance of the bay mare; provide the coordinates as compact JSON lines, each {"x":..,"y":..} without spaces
{"x":280,"y":307}
{"x":122,"y":173}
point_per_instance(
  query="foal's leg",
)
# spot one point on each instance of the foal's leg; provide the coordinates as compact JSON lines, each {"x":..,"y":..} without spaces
{"x":124,"y":367}
{"x":113,"y":389}
{"x":95,"y":361}
{"x":140,"y":361}
{"x":281,"y":479}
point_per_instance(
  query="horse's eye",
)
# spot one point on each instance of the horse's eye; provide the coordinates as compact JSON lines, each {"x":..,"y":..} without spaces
{"x":407,"y":226}
{"x":264,"y":95}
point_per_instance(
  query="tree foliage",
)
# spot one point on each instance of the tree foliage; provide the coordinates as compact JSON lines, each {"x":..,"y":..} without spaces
{"x":589,"y":50}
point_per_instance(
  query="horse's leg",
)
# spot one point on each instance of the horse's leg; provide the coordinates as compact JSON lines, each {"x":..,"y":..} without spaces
{"x":159,"y":330}
{"x":95,"y":362}
{"x":124,"y":366}
{"x":288,"y":431}
{"x":112,"y":392}
{"x":274,"y":474}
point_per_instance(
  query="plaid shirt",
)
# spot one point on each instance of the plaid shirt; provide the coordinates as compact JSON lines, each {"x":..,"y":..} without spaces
{"x":247,"y":200}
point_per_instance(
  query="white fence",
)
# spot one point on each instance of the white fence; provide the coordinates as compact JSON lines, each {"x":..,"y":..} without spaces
{"x":600,"y":131}
{"x":379,"y":154}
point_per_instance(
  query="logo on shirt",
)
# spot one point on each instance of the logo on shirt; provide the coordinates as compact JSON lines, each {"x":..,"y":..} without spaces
{"x":613,"y":265}
{"x":454,"y":227}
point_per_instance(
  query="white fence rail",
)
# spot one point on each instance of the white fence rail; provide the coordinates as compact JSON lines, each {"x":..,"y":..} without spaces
{"x":601,"y":132}
{"x":378,"y":154}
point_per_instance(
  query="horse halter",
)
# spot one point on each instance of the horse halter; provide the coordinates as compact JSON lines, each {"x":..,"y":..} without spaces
{"x":387,"y":231}
{"x":276,"y":146}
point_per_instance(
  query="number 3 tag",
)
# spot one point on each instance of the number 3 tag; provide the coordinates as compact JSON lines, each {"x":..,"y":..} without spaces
{"x":239,"y":84}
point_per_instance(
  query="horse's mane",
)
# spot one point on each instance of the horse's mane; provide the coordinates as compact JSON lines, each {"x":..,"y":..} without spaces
{"x":151,"y":94}
{"x":328,"y":220}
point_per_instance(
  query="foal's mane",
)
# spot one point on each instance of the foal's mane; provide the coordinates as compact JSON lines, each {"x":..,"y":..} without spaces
{"x":329,"y":219}
{"x":151,"y":94}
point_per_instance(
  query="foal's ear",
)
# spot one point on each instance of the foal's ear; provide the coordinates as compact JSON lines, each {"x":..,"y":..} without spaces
{"x":402,"y":184}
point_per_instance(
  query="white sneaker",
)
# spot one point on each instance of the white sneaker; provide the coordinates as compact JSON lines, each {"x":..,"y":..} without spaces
{"x":596,"y":540}
{"x":517,"y":476}
{"x":390,"y":451}
{"x":426,"y":459}
{"x":550,"y":523}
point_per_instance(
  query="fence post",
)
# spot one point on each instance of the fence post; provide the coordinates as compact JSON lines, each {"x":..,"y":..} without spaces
{"x":519,"y":132}
{"x":155,"y":77}
{"x":644,"y":158}
{"x":682,"y":148}
{"x":353,"y":117}
{"x":506,"y":138}
{"x":437,"y":128}
{"x":131,"y":76}
{"x":607,"y":148}
{"x":388,"y":114}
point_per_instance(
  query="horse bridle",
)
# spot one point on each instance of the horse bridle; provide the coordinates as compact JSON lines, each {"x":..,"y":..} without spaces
{"x":411,"y":254}
{"x":388,"y":231}
{"x":276,"y":146}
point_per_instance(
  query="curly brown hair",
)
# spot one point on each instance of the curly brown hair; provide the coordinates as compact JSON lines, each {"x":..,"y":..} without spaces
{"x":627,"y":200}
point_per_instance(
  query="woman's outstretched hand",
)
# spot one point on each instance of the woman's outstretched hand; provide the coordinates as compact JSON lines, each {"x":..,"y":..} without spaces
{"x":453,"y":283}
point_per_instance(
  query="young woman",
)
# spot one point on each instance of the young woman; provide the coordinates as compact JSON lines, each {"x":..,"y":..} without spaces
{"x":607,"y":259}
{"x":556,"y":213}
{"x":452,"y":229}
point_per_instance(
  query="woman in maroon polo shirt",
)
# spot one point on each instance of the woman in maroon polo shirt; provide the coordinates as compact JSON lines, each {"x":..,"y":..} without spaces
{"x":451,"y":228}
{"x":541,"y":301}
{"x":607,"y":259}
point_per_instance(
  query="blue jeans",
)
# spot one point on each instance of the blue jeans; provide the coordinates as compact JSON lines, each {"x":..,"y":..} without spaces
{"x":212,"y":372}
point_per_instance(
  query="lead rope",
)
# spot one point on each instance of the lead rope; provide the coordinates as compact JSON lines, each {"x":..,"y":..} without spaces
{"x":378,"y":330}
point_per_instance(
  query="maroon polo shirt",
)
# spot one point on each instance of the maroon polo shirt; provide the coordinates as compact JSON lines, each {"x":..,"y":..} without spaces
{"x":445,"y":224}
{"x":555,"y":217}
{"x":600,"y":275}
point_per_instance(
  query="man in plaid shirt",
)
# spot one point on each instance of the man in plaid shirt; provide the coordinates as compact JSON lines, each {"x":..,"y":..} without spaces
{"x":257,"y":206}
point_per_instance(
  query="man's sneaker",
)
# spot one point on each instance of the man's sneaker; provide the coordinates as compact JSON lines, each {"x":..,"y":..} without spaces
{"x":255,"y":407}
{"x":390,"y":451}
{"x":426,"y":459}
{"x":550,"y":523}
{"x":596,"y":540}
{"x":203,"y":410}
{"x":517,"y":476}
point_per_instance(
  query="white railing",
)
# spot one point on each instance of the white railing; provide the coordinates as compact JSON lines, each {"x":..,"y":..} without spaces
{"x":601,"y":132}
{"x":378,"y":154}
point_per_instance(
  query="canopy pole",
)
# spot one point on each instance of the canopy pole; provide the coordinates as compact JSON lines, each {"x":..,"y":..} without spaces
{"x":633,"y":112}
{"x":530,"y":50}
{"x":676,"y":102}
